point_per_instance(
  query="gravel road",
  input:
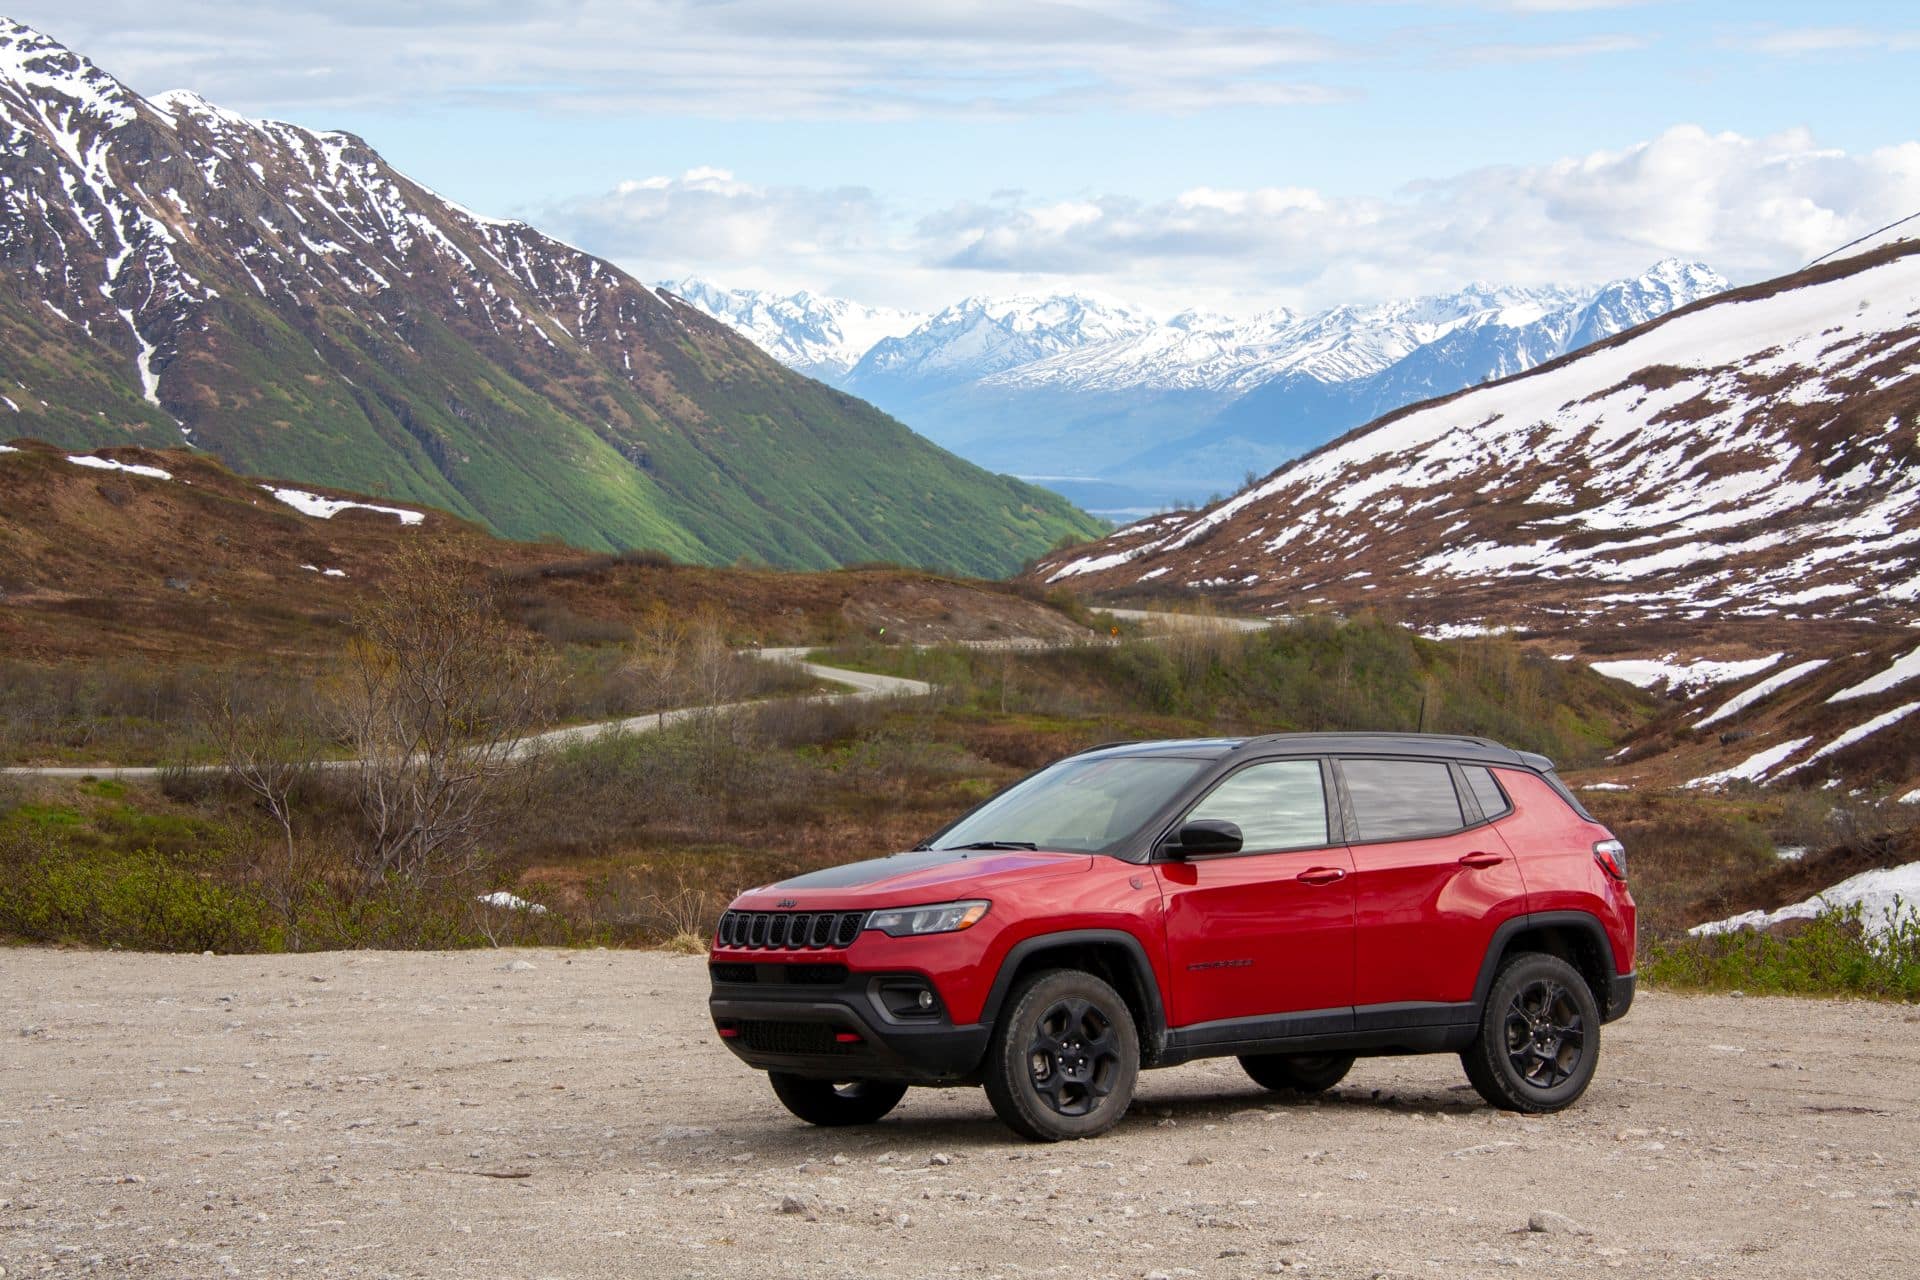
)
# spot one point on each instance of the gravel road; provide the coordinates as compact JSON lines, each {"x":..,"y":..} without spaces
{"x":538,"y":1114}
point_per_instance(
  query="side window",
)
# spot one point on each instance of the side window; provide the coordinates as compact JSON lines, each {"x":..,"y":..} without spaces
{"x":1402,"y":799}
{"x":1278,"y":805}
{"x":1486,"y":789}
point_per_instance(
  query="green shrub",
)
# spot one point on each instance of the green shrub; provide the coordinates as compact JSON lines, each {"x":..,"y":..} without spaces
{"x":54,"y":889}
{"x":1831,"y":955}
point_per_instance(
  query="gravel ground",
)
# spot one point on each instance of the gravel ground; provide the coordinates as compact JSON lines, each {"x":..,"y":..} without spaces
{"x":569,"y":1114}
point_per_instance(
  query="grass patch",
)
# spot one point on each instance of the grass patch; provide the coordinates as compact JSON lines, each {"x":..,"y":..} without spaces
{"x":1828,"y":955}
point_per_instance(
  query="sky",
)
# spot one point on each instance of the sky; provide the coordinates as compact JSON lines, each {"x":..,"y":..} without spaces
{"x":1221,"y":154}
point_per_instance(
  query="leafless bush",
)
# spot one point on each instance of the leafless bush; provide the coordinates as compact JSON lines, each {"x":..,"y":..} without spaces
{"x":436,"y":693}
{"x":270,"y":743}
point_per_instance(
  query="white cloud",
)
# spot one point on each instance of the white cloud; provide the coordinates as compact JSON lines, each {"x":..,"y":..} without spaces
{"x":1799,"y":41}
{"x":722,"y":58}
{"x":707,"y":217}
{"x":1749,"y":206}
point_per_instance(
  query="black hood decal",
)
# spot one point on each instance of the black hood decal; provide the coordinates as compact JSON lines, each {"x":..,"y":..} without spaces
{"x":855,"y":874}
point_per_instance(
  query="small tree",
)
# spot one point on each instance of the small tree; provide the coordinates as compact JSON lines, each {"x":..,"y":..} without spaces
{"x":270,"y":743}
{"x":437,"y":696}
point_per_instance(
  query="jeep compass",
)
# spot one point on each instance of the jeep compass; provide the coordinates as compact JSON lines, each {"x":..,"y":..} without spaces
{"x":1295,"y":901}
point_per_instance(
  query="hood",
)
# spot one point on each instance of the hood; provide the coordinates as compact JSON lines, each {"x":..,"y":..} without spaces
{"x":926,"y":875}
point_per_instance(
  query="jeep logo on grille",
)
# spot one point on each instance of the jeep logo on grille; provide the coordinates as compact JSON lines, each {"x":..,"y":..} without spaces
{"x":787,"y":902}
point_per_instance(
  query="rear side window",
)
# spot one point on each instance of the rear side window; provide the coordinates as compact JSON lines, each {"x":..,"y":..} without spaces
{"x":1402,"y":799}
{"x":1566,"y":793}
{"x":1281,"y":804}
{"x":1486,"y":789}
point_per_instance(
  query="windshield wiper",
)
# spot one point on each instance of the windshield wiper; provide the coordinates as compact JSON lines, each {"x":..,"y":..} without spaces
{"x":993,"y":844}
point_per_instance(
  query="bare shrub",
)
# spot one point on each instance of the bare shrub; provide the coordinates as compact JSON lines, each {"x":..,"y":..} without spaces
{"x":437,"y":692}
{"x":270,"y":743}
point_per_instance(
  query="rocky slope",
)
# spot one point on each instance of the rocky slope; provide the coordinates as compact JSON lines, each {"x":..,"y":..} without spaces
{"x":171,"y":272}
{"x":1751,"y":457}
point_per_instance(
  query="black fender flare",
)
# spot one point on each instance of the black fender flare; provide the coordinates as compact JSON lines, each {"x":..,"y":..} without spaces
{"x":1579,"y":921}
{"x":1152,"y":1036}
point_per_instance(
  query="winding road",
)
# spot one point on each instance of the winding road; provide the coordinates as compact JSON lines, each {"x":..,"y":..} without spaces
{"x":861,"y":686}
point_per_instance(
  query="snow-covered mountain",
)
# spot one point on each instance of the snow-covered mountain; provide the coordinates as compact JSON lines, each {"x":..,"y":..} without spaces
{"x":977,"y":338}
{"x":1073,"y":387}
{"x":1749,"y":458}
{"x":171,"y":272}
{"x":820,"y":337}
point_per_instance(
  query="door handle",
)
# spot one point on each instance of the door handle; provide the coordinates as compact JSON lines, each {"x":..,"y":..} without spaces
{"x":1481,"y":859}
{"x":1322,"y":875}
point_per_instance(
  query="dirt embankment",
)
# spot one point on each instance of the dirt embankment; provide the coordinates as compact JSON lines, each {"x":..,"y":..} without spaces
{"x":568,"y":1114}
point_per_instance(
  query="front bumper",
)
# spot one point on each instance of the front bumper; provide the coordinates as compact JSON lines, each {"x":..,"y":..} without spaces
{"x":837,"y":1030}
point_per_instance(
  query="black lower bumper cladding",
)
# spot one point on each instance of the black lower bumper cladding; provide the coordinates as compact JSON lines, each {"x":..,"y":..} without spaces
{"x":779,"y":1019}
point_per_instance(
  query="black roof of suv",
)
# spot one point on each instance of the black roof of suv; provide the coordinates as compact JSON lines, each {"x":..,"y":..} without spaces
{"x":1449,"y":746}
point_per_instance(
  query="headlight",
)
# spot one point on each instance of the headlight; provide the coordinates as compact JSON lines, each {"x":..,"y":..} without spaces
{"x":941,"y":917}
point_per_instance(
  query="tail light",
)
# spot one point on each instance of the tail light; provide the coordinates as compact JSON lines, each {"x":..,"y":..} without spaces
{"x":1612,"y":857}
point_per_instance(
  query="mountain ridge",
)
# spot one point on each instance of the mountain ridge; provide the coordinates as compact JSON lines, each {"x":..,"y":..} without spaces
{"x":171,"y":272}
{"x":1748,"y":457}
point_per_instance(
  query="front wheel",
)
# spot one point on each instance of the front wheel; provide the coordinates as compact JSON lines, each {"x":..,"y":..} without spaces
{"x":1539,"y":1038}
{"x":833,"y":1103}
{"x":1302,"y":1073}
{"x":1064,"y":1057}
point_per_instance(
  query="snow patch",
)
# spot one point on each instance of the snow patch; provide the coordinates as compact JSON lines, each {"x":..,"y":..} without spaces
{"x":1884,"y":897}
{"x":108,"y":464}
{"x":1904,"y":668}
{"x":312,"y":504}
{"x":1755,"y":767}
{"x":1766,"y":688}
{"x":1646,"y":673}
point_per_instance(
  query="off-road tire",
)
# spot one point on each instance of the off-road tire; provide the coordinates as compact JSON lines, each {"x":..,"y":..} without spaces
{"x":1304,"y":1074}
{"x":834,"y":1103}
{"x":1539,"y":1038}
{"x":1064,"y":1057}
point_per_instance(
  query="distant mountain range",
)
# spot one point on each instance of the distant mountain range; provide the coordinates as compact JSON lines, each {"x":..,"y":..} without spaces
{"x":1121,"y":409}
{"x":172,"y":272}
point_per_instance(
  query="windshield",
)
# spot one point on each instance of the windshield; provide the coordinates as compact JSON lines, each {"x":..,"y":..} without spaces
{"x":1086,"y":806}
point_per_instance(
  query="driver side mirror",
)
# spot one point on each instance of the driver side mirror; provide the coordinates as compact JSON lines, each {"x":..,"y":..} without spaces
{"x":1204,"y":836}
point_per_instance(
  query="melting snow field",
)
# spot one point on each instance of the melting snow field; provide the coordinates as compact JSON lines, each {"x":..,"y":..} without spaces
{"x":1668,"y":443}
{"x":1765,"y":689}
{"x":108,"y":464}
{"x":1904,"y":668}
{"x":1882,"y":896}
{"x":312,"y":504}
{"x":1755,"y":767}
{"x":1702,"y":673}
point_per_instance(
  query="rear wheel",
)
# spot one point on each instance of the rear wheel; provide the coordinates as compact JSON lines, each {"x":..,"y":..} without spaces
{"x":1301,"y":1073}
{"x":1064,"y":1057}
{"x":1539,"y":1039}
{"x":831,"y":1102}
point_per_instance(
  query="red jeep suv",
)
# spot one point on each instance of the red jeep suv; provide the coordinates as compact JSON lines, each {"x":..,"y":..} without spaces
{"x":1296,"y":900}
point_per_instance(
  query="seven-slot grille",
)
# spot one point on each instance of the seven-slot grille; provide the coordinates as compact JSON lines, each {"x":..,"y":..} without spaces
{"x":790,"y":930}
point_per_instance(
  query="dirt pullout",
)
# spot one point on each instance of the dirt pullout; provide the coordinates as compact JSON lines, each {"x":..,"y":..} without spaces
{"x":569,"y":1114}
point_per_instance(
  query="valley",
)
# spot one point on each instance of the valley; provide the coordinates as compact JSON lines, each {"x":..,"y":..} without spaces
{"x":1126,"y":412}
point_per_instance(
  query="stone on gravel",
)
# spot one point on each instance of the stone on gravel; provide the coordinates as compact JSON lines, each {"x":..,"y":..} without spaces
{"x":1546,"y":1221}
{"x":800,"y":1206}
{"x":517,"y":966}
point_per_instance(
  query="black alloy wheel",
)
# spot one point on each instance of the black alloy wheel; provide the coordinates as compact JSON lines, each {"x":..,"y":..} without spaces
{"x":1539,"y":1038}
{"x":1064,"y":1057}
{"x":1073,"y":1056}
{"x":1546,"y":1034}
